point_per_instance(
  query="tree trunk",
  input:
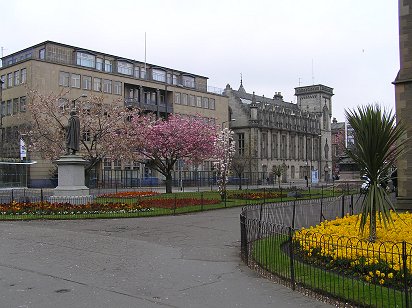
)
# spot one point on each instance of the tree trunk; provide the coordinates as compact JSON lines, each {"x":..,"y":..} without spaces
{"x":372,"y":227}
{"x":169,"y":181}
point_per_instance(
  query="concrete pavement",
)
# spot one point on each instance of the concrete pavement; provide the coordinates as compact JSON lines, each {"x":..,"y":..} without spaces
{"x":182,"y":261}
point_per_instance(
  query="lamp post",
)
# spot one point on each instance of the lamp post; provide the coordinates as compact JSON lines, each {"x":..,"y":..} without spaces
{"x":228,"y":121}
{"x":74,"y":100}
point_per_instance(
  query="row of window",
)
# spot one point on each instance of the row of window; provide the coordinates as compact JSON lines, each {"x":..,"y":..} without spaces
{"x":13,"y":106}
{"x":127,"y":68}
{"x":282,"y":150}
{"x":14,"y":79}
{"x":194,"y":101}
{"x":88,"y":83}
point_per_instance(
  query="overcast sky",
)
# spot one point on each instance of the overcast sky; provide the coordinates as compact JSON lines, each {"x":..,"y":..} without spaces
{"x":277,"y":45}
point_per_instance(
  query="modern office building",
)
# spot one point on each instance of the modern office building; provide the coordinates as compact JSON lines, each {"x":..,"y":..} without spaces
{"x":49,"y":67}
{"x":271,"y":132}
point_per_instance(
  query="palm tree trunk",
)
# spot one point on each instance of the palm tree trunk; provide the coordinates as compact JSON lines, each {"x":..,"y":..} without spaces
{"x":372,"y":227}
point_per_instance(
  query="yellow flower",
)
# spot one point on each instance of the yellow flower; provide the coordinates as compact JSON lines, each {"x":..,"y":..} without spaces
{"x":367,"y":278}
{"x":383,"y":275}
{"x":390,"y":275}
{"x":378,"y":273}
{"x":381,"y":281}
{"x":371,"y":274}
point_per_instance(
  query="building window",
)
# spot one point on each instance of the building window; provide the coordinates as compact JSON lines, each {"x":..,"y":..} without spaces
{"x":107,"y":86}
{"x":9,"y":80}
{"x":85,"y":59}
{"x":184,"y":99}
{"x":99,"y":64}
{"x":241,"y":144}
{"x":9,"y":107}
{"x":292,"y":147}
{"x":107,"y":164}
{"x":143,"y":73}
{"x":159,"y":75}
{"x":75,"y":81}
{"x":16,"y":78}
{"x":64,"y":79}
{"x":212,"y":103}
{"x":3,"y":79}
{"x":169,"y":78}
{"x":124,"y":68}
{"x":274,"y":146}
{"x":23,"y":104}
{"x":283,"y":147}
{"x":86,"y":135}
{"x":205,"y":103}
{"x":264,"y":153}
{"x":117,"y":88}
{"x":97,"y":85}
{"x":108,"y":66}
{"x":199,"y":101}
{"x":42,"y":54}
{"x":175,"y":79}
{"x":137,"y":72}
{"x":188,"y":81}
{"x":3,"y":109}
{"x":192,"y":100}
{"x":177,"y":98}
{"x":15,"y":105}
{"x":87,"y":82}
{"x":117,"y":164}
{"x":23,"y":75}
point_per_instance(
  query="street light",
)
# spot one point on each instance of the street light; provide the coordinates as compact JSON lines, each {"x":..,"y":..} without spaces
{"x":231,"y":120}
{"x":74,"y":100}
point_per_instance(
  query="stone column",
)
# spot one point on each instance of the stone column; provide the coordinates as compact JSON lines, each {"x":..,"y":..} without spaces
{"x":403,"y":96}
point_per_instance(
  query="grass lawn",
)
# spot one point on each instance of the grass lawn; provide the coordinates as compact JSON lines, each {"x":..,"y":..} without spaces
{"x":268,"y":253}
{"x":177,"y":198}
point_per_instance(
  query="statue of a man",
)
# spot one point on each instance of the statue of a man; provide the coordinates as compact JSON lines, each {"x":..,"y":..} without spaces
{"x":73,"y":133}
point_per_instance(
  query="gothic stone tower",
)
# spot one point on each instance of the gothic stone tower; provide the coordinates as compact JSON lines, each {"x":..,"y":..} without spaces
{"x":403,"y":96}
{"x":318,"y":99}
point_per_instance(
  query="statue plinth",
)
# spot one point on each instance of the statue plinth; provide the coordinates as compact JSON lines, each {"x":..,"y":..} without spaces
{"x":71,"y":183}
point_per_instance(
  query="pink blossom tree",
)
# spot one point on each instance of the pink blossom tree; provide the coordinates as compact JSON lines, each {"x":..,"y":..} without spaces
{"x":224,"y":152}
{"x":161,"y":143}
{"x":48,"y":117}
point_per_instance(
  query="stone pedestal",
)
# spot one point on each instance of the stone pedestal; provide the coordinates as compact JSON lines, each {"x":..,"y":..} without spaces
{"x":71,"y":183}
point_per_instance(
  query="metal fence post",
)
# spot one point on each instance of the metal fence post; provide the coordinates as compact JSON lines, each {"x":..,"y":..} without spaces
{"x":405,"y":274}
{"x":41,"y":195}
{"x":351,"y":204}
{"x":343,"y":206}
{"x":264,"y":195}
{"x":174,"y":210}
{"x":12,"y":195}
{"x":281,"y":195}
{"x":292,"y":265}
{"x":243,"y":239}
{"x":201,"y":201}
{"x":321,"y":207}
{"x":294,"y":214}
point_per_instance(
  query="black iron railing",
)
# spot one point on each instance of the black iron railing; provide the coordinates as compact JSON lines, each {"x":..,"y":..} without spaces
{"x":367,"y":276}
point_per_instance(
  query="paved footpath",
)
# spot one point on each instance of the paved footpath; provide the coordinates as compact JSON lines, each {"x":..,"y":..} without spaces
{"x":181,"y":261}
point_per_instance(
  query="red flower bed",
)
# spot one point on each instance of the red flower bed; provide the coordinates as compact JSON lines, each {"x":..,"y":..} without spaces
{"x":130,"y":194}
{"x":256,"y":195}
{"x":47,"y":208}
{"x":171,"y":203}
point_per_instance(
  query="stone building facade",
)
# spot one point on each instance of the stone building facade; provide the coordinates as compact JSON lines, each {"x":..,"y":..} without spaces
{"x":403,"y":95}
{"x":50,"y":67}
{"x":338,"y":144}
{"x":271,"y":132}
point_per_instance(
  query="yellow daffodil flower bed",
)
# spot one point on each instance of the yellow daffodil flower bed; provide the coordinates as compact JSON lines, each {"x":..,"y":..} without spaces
{"x":338,"y":245}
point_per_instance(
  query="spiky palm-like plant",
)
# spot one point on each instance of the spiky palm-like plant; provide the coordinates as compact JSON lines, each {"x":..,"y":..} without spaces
{"x":378,"y":143}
